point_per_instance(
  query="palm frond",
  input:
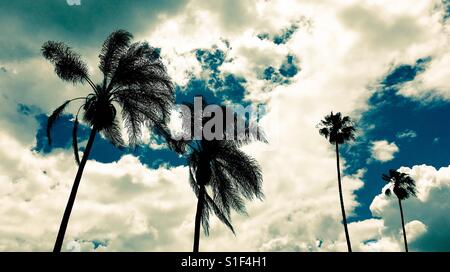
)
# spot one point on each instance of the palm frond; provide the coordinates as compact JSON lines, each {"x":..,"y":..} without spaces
{"x":386,"y":178}
{"x":223,"y":217}
{"x":148,"y":99}
{"x":68,"y":64}
{"x":205,"y":217}
{"x":226,"y":194}
{"x":75,"y":141}
{"x":139,"y":66}
{"x":324,"y":132}
{"x":387,"y":192}
{"x":53,"y":117}
{"x":114,"y":135}
{"x":192,"y":180}
{"x":147,"y":105}
{"x":112,"y":50}
{"x":403,"y":185}
{"x":244,"y":171}
{"x":133,"y":120}
{"x":179,"y":146}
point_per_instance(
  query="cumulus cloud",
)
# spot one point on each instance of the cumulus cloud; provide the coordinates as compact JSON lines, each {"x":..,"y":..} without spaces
{"x":434,"y":83}
{"x":383,"y":151}
{"x":122,"y":205}
{"x":425,"y":216}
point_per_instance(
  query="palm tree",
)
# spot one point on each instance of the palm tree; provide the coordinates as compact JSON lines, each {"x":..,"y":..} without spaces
{"x":224,"y":168}
{"x":230,"y":173}
{"x":338,"y":130}
{"x":134,"y":79}
{"x":403,"y":187}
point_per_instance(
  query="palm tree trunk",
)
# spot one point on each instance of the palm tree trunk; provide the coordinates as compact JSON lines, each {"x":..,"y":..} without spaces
{"x":403,"y":224}
{"x":73,"y":193}
{"x":198,"y":217}
{"x":344,"y":218}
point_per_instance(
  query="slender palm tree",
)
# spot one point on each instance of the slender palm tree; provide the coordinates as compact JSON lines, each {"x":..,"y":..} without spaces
{"x":134,"y":80}
{"x":224,"y":168}
{"x":403,"y":187}
{"x":230,"y":173}
{"x":338,"y":130}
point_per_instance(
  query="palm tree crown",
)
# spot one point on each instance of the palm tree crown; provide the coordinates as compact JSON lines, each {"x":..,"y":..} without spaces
{"x":223,"y":167}
{"x":337,"y":129}
{"x":403,"y":187}
{"x":230,"y":173}
{"x":401,"y":184}
{"x":134,"y":78}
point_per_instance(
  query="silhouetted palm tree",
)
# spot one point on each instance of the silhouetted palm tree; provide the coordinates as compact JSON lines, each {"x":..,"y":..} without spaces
{"x":221,"y":165}
{"x":230,"y":173}
{"x":134,"y":79}
{"x":403,"y":187}
{"x":338,"y":130}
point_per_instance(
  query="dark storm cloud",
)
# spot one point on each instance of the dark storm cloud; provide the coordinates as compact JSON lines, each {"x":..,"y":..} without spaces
{"x":27,"y":24}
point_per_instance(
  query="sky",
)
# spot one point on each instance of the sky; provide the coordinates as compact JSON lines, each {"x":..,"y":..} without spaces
{"x":383,"y":63}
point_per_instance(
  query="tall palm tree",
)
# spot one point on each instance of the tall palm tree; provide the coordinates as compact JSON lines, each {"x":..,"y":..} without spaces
{"x":230,"y":173}
{"x":224,"y":168}
{"x":338,"y":130}
{"x":403,"y":187}
{"x":134,"y":80}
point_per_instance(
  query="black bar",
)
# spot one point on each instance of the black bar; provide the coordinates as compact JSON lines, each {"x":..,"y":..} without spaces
{"x":179,"y":262}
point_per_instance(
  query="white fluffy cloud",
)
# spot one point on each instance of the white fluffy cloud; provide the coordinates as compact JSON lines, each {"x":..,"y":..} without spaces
{"x":383,"y":150}
{"x":426,"y":219}
{"x":125,"y":206}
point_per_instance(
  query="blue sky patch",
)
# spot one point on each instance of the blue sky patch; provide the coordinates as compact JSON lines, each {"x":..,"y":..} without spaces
{"x":391,"y":117}
{"x":102,"y":150}
{"x":446,"y":4}
{"x":214,"y":85}
{"x":283,"y":74}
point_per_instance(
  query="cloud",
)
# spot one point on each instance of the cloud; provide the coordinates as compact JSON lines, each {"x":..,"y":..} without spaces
{"x":124,"y":204}
{"x":374,"y":30}
{"x":82,"y":26}
{"x":406,"y":134}
{"x":74,"y":2}
{"x":434,"y":83}
{"x":383,"y":151}
{"x":286,"y":33}
{"x":426,"y":225}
